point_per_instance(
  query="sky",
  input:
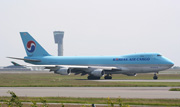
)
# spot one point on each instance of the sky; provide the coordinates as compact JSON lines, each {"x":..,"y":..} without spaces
{"x":92,"y":27}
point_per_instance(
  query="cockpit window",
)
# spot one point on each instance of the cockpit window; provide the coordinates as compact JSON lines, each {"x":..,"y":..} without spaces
{"x":159,"y":55}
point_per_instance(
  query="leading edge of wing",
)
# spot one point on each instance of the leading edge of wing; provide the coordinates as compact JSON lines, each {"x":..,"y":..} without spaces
{"x":76,"y":66}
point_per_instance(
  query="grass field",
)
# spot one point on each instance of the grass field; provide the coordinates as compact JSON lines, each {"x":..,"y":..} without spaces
{"x":154,"y":102}
{"x":55,"y":80}
{"x":174,"y":89}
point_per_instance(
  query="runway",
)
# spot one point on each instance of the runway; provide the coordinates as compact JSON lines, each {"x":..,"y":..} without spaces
{"x":98,"y":92}
{"x":137,"y":80}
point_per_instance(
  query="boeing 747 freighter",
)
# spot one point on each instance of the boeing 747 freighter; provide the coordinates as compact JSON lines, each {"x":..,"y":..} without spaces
{"x":94,"y":66}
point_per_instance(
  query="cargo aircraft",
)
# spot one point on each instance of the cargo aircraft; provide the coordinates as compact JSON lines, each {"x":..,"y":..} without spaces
{"x":94,"y":66}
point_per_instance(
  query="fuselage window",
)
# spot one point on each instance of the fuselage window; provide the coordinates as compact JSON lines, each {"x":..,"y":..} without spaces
{"x":159,"y":55}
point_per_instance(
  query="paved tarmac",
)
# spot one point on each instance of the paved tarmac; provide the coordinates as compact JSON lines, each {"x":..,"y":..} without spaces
{"x":115,"y":92}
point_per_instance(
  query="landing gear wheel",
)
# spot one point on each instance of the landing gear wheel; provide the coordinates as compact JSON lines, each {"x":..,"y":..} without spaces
{"x":155,"y":77}
{"x":108,"y":77}
{"x":90,"y":77}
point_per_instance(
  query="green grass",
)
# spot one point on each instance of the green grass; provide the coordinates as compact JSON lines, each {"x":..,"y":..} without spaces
{"x":174,"y":89}
{"x":154,"y":102}
{"x":55,"y":80}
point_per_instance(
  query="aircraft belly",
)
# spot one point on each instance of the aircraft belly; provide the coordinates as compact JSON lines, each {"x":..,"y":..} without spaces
{"x":146,"y":68}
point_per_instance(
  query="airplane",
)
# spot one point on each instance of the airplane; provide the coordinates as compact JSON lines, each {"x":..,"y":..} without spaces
{"x":94,"y":66}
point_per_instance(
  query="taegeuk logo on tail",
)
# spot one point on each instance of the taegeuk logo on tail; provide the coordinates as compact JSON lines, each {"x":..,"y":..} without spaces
{"x":31,"y":46}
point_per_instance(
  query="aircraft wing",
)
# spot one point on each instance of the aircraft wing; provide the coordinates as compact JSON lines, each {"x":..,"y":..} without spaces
{"x":83,"y":70}
{"x":91,"y":70}
{"x":77,"y":67}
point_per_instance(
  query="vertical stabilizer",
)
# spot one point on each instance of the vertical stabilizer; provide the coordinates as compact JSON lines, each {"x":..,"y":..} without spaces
{"x":32,"y":47}
{"x":15,"y":64}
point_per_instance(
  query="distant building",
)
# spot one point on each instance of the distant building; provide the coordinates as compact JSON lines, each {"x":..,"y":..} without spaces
{"x":58,"y":38}
{"x":176,"y":67}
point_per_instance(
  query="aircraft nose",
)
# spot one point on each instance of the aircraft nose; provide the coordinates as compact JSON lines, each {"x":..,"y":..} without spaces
{"x":169,"y":62}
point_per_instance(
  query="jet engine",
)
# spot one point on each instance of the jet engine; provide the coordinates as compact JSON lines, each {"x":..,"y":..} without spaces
{"x":98,"y":72}
{"x":63,"y":71}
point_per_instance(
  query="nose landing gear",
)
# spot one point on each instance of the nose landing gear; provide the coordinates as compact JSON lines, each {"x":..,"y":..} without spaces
{"x":155,"y":77}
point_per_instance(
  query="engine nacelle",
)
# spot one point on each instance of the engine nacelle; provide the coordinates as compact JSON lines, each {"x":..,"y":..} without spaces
{"x":98,"y":72}
{"x":131,"y":74}
{"x":63,"y":71}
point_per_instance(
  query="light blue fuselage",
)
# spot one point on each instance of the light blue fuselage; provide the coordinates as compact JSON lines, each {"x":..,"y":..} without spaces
{"x":139,"y":63}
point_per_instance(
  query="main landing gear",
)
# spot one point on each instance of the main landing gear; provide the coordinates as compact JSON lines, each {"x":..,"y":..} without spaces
{"x":91,"y":77}
{"x":108,"y":76}
{"x":155,"y":77}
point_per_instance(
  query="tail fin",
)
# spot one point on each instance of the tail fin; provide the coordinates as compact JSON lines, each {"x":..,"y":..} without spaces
{"x":32,"y":47}
{"x":15,"y":64}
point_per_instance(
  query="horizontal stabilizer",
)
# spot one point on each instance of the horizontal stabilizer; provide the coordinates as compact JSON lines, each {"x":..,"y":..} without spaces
{"x":29,"y":60}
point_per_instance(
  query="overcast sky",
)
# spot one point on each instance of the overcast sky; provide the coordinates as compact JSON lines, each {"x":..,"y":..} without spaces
{"x":92,"y":27}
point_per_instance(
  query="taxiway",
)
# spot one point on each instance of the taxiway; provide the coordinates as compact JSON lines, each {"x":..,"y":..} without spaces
{"x":98,"y":92}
